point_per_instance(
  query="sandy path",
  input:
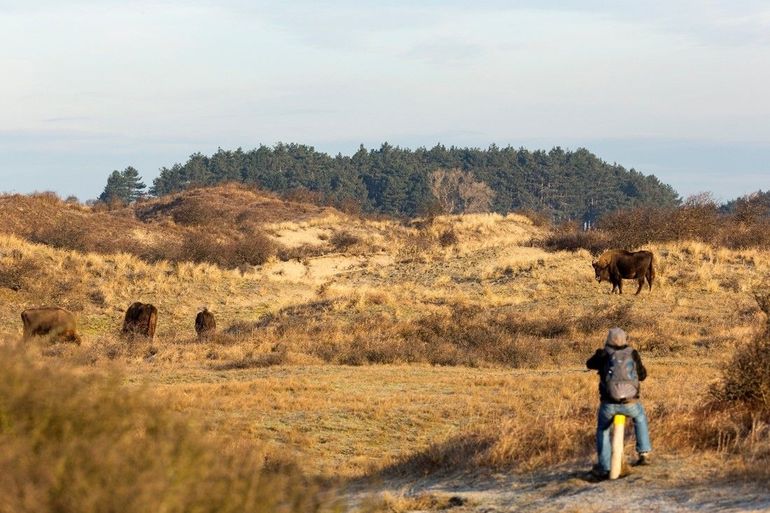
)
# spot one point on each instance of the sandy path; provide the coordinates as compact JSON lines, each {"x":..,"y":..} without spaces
{"x":670,"y":485}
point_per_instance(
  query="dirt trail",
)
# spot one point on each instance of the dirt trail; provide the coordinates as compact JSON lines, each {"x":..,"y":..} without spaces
{"x":670,"y":485}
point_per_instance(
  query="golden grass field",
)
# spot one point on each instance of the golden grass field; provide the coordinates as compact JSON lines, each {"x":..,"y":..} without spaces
{"x":409,"y":352}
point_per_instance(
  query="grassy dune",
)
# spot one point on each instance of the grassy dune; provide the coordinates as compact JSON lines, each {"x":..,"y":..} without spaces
{"x":375,"y":348}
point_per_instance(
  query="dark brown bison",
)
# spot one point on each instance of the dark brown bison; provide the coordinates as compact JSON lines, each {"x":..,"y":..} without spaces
{"x":205,"y":324}
{"x":616,"y":265}
{"x":140,"y":320}
{"x":56,"y":323}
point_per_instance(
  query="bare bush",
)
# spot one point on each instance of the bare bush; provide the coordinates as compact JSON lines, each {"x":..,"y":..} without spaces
{"x":570,"y":237}
{"x":19,"y":274}
{"x":698,"y":218}
{"x":746,"y":379}
{"x":448,"y":238}
{"x":66,"y":236}
{"x":253,"y":249}
{"x":254,"y":361}
{"x":343,"y":240}
{"x":193,"y":212}
{"x":302,"y":252}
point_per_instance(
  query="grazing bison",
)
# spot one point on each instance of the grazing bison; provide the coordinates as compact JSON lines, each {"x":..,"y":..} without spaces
{"x":616,"y":265}
{"x":205,"y":324}
{"x":56,"y":323}
{"x":140,"y":320}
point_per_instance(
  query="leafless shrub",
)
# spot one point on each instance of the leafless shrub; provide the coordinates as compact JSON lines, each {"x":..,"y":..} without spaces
{"x":448,"y":238}
{"x":255,"y":361}
{"x":67,"y":236}
{"x":698,"y":218}
{"x":304,"y":195}
{"x":301,"y":252}
{"x":254,"y":249}
{"x":18,"y":274}
{"x":751,"y":234}
{"x":607,"y":317}
{"x":570,"y":237}
{"x":193,"y":212}
{"x":49,"y":197}
{"x":343,"y":240}
{"x":538,"y":218}
{"x":746,"y":379}
{"x":417,"y":244}
{"x":202,"y":247}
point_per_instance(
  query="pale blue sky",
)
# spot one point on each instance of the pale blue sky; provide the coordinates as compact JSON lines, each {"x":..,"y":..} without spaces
{"x":674,"y":88}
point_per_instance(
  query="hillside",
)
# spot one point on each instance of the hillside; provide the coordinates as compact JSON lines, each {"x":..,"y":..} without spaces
{"x":234,"y":226}
{"x":428,"y":352}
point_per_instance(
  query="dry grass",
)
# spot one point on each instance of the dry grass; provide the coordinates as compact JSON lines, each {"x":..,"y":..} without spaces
{"x":81,"y":442}
{"x":400,"y":353}
{"x":395,"y":503}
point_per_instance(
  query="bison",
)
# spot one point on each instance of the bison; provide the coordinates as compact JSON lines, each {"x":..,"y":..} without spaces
{"x":140,"y":320}
{"x":56,"y":323}
{"x":616,"y":265}
{"x":205,"y":324}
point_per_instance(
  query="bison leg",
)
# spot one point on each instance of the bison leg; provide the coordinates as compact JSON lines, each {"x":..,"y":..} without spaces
{"x":640,"y":281}
{"x":650,"y":277}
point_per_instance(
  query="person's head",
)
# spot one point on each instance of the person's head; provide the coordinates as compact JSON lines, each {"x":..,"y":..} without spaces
{"x":616,"y":337}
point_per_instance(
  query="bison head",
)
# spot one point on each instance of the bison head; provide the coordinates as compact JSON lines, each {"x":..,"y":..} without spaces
{"x":602,"y":272}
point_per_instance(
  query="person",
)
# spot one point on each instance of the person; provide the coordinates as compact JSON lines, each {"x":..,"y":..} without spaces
{"x":620,"y":370}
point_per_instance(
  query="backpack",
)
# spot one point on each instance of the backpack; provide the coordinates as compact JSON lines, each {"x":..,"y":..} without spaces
{"x":621,"y":381}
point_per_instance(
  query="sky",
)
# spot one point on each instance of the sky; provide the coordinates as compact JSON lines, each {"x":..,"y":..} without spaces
{"x":674,"y":88}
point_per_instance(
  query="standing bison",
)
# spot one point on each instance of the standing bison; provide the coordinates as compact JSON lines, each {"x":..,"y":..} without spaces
{"x":140,"y":320}
{"x":616,"y":265}
{"x":56,"y":323}
{"x":205,"y":324}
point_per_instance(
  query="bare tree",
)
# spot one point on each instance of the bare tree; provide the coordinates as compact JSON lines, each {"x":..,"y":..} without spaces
{"x":445,"y":186}
{"x":457,"y":192}
{"x":477,"y":197}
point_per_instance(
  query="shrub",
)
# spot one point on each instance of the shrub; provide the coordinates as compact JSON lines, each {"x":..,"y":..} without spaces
{"x":252,"y":362}
{"x":448,"y":238}
{"x":253,"y":249}
{"x":746,"y":379}
{"x":202,"y":247}
{"x":193,"y":212}
{"x":301,"y":252}
{"x":416,"y":245}
{"x":742,"y":235}
{"x":569,"y":237}
{"x":19,"y":274}
{"x":65,"y":236}
{"x":343,"y":240}
{"x":538,"y":218}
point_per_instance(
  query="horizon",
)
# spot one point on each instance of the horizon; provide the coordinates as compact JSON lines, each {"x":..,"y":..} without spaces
{"x":671,"y":89}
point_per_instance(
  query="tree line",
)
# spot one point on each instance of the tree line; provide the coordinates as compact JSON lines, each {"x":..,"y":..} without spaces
{"x":564,"y":185}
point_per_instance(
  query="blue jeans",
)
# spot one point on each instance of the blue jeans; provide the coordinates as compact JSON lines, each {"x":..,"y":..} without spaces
{"x":604,"y":420}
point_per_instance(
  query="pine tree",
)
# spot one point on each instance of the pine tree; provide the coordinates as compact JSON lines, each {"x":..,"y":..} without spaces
{"x":134,"y":185}
{"x":115,"y":188}
{"x":125,"y":186}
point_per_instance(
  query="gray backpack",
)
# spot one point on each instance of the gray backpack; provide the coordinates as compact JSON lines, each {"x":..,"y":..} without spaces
{"x":621,"y":380}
